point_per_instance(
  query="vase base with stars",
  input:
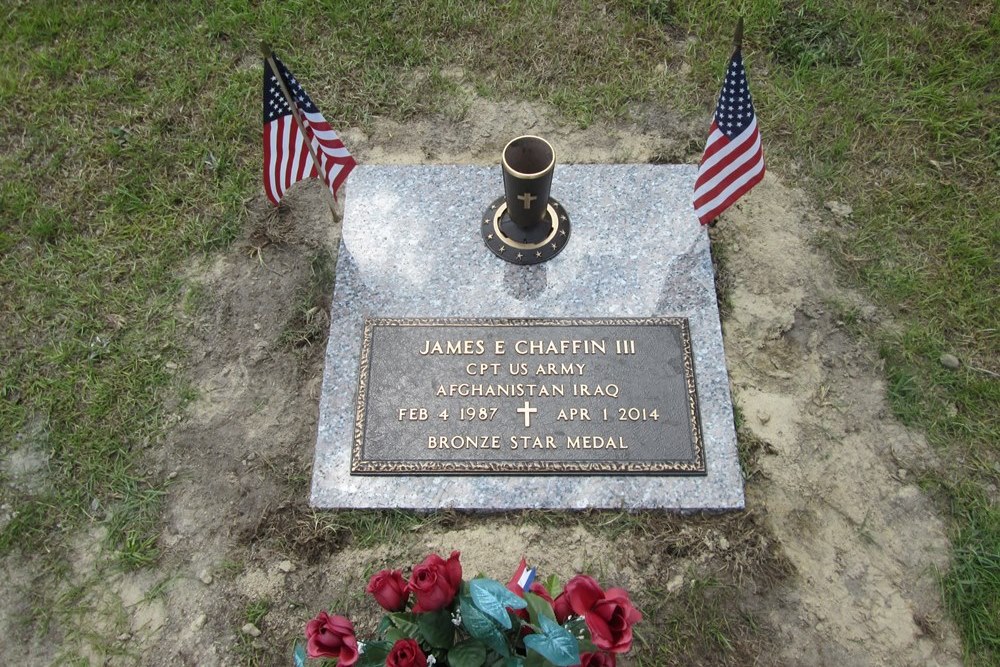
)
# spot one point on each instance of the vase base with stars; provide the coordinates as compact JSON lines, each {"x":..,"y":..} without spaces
{"x":526,"y":225}
{"x":518,"y":245}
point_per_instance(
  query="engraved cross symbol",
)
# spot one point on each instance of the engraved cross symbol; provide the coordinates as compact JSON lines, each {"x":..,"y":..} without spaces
{"x":527,"y":198}
{"x":527,"y":411}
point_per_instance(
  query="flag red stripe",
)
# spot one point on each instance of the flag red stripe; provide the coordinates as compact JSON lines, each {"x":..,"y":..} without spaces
{"x":300,"y":172}
{"x":286,"y":146}
{"x":278,"y":138}
{"x":737,"y":185}
{"x":707,"y":217}
{"x":304,"y":161}
{"x":715,"y":142}
{"x":733,"y":170}
{"x":331,"y":145}
{"x":329,"y":138}
{"x":273,"y":160}
{"x":342,"y":175}
{"x":723,"y":152}
{"x":326,"y":136}
{"x":302,"y":158}
{"x":281,"y":137}
{"x":294,"y":154}
{"x":332,"y":148}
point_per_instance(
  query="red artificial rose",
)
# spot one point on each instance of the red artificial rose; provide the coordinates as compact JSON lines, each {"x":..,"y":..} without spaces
{"x":598,"y":660}
{"x":332,"y":637}
{"x":435,"y":582}
{"x":610,"y":621}
{"x":582,"y":593}
{"x":406,"y":653}
{"x":561,"y":607}
{"x":609,"y":615}
{"x":581,"y":588}
{"x":389,"y":589}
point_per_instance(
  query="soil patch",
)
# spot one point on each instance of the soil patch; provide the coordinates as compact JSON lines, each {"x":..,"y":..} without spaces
{"x":833,"y":563}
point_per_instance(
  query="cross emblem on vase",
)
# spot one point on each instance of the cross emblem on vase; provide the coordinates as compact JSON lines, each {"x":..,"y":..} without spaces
{"x":527,"y":198}
{"x":527,"y":411}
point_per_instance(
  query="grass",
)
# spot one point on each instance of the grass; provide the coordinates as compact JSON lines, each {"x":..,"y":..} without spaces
{"x":700,"y":625}
{"x":972,"y":586}
{"x":129,"y":143}
{"x":256,"y":611}
{"x":102,"y":203}
{"x":249,"y":650}
{"x":310,"y":321}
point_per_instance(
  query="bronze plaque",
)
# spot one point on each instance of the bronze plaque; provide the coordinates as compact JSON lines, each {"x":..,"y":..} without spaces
{"x":527,"y":397}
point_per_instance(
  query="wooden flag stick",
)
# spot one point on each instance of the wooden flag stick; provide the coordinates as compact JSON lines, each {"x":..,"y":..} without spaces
{"x":306,"y":137}
{"x":738,"y":38}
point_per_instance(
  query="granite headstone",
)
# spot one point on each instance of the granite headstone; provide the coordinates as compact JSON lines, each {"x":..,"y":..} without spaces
{"x":408,"y":422}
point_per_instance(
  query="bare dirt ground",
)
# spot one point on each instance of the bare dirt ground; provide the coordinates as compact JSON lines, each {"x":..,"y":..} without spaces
{"x":835,"y":560}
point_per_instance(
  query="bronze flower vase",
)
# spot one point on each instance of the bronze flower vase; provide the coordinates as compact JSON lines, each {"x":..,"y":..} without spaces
{"x":526,"y":225}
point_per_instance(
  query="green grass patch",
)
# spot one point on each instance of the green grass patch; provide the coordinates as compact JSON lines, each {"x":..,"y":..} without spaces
{"x":105,"y":193}
{"x":972,"y":585}
{"x":699,"y":625}
{"x":256,"y":611}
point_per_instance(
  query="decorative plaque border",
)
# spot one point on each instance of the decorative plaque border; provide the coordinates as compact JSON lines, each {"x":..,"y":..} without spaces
{"x":361,"y":466}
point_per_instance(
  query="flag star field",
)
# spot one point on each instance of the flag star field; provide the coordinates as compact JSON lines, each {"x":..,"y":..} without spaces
{"x":733,"y":161}
{"x":734,"y":111}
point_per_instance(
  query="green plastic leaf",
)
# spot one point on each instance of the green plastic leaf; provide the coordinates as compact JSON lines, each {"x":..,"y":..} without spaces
{"x":479,"y":626}
{"x":406,"y":623}
{"x":470,"y":653}
{"x":436,"y":628}
{"x":493,"y":598}
{"x":535,"y":660}
{"x":553,"y":586}
{"x":374,"y":654}
{"x":300,"y":654}
{"x":538,"y":606}
{"x":554,"y":643}
{"x":586,"y":646}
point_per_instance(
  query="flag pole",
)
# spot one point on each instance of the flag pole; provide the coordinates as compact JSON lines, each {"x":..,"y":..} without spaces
{"x":738,"y":37}
{"x":306,"y":136}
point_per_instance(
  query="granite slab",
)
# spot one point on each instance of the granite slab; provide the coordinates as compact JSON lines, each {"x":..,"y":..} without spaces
{"x":411,"y":248}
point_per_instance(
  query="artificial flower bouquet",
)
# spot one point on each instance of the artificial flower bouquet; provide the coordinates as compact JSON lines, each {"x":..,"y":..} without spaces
{"x":437,"y":619}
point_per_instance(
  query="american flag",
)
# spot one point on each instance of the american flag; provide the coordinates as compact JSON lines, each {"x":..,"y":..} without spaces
{"x":733,"y":161}
{"x":524,"y":576}
{"x":286,"y":156}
